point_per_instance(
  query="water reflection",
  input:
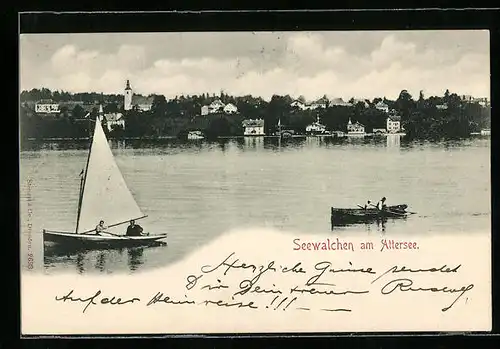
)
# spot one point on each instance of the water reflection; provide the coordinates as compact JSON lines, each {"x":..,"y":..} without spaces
{"x":379,"y":225}
{"x":100,"y":261}
{"x":254,"y":143}
{"x":88,"y":259}
{"x":393,"y":141}
{"x":135,"y":257}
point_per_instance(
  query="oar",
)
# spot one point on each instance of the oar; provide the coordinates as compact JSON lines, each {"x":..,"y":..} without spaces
{"x":114,"y":225}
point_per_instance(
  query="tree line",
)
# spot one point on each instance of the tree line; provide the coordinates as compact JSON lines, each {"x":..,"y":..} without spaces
{"x":446,"y":116}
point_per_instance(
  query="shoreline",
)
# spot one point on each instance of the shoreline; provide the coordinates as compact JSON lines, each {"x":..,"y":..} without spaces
{"x":368,"y":135}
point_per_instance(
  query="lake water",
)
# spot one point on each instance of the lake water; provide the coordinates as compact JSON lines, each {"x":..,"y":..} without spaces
{"x":198,"y":191}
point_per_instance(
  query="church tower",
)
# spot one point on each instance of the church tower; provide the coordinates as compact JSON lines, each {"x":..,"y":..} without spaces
{"x":127,"y":103}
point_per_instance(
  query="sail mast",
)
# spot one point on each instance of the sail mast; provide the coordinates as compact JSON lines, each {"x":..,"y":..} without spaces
{"x":82,"y":181}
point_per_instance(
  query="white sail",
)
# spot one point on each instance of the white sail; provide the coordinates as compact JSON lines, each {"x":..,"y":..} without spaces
{"x":105,"y":194}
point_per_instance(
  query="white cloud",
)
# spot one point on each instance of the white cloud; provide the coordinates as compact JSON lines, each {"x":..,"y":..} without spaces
{"x":309,"y":66}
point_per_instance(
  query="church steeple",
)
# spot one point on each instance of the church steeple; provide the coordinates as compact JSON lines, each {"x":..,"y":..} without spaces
{"x":127,"y":101}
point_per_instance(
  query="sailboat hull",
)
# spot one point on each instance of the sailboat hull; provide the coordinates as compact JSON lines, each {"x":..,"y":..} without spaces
{"x":84,"y":240}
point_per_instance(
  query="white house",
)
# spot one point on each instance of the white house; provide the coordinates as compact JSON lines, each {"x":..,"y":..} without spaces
{"x":316,"y":127}
{"x":382,"y":107}
{"x":47,"y":106}
{"x":216,"y":106}
{"x":442,"y":106}
{"x":393,"y":124}
{"x":355,"y":129}
{"x":114,"y":119}
{"x":204,"y":110}
{"x":230,"y":109}
{"x":253,"y":127}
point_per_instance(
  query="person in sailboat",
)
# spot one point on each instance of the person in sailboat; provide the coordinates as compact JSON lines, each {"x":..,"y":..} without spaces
{"x":381,"y":205}
{"x":100,"y":228}
{"x":135,"y":229}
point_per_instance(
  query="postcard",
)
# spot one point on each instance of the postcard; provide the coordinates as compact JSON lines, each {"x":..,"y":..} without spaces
{"x":255,"y":182}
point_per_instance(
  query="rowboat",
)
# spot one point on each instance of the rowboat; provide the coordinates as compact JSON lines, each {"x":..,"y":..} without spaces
{"x":341,"y":216}
{"x":105,"y":196}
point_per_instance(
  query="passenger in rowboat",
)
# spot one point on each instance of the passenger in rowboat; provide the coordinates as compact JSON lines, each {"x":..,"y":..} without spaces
{"x":135,"y":229}
{"x":368,"y":203}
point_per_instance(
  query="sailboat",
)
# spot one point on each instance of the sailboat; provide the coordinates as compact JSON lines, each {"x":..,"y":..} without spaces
{"x":104,"y":195}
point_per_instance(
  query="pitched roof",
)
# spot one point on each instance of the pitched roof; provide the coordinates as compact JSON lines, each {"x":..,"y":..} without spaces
{"x":217,"y":102}
{"x":113,"y":116}
{"x":254,"y":123}
{"x":136,"y":99}
{"x":339,"y":101}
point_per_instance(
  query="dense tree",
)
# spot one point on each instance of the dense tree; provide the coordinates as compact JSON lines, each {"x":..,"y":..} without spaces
{"x":432,"y":117}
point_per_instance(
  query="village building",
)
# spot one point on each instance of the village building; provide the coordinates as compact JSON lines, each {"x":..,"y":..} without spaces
{"x":362,"y":101}
{"x":142,"y":103}
{"x":339,"y":102}
{"x":320,"y":103}
{"x":442,"y":106}
{"x":316,"y":127}
{"x":230,"y":109}
{"x":393,"y":124}
{"x":253,"y":127}
{"x":379,"y":131}
{"x":298,"y":104}
{"x":382,"y":107}
{"x":355,"y":128}
{"x":47,"y":107}
{"x":113,"y":120}
{"x":216,"y":106}
{"x":483,"y":101}
{"x":204,"y":110}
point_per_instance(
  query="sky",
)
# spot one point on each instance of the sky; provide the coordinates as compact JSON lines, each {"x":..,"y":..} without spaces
{"x":359,"y":64}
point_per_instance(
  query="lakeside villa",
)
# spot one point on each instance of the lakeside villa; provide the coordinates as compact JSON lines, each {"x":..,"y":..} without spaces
{"x":316,"y":128}
{"x":253,"y":127}
{"x":355,"y":129}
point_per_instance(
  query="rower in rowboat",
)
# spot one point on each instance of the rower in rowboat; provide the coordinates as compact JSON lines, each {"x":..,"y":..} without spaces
{"x":100,"y":228}
{"x":381,"y":205}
